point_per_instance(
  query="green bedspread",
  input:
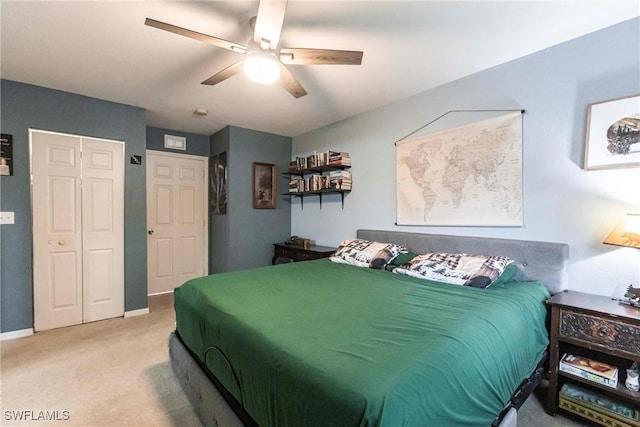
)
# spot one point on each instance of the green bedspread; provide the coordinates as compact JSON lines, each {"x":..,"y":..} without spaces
{"x":324,"y":344}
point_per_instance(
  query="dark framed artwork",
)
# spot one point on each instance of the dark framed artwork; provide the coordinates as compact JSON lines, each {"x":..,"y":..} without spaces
{"x":264,"y":186}
{"x":6,"y":154}
{"x":218,"y":184}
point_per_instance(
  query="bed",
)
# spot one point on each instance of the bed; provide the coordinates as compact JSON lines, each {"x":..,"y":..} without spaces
{"x":322,"y":343}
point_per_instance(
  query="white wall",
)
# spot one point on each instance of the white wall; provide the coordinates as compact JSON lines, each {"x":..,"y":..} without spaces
{"x":562,"y":202}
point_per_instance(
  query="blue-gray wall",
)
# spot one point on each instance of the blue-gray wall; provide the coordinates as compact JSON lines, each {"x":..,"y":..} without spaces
{"x":25,"y":106}
{"x":197,"y":145}
{"x":243,"y":237}
{"x":562,"y":202}
{"x":220,"y":225}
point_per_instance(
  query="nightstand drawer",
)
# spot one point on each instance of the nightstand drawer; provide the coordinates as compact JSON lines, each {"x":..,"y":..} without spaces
{"x":286,"y":253}
{"x":602,"y":332}
{"x":299,"y":253}
{"x":306,"y":256}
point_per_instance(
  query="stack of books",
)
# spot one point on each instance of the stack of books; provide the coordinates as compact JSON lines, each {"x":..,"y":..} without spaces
{"x":296,"y":186}
{"x":332,"y":158}
{"x":311,"y":183}
{"x":336,"y":180}
{"x":318,"y":182}
{"x":596,"y":407}
{"x":340,"y":180}
{"x":591,"y":370}
{"x":339,"y":158}
{"x":299,"y":163}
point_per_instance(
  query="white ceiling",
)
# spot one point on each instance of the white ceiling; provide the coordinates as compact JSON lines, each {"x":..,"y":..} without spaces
{"x":103,"y":49}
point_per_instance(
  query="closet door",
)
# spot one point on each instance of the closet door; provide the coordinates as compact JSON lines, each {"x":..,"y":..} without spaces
{"x":102,"y":229}
{"x":57,"y":230}
{"x":78,"y":229}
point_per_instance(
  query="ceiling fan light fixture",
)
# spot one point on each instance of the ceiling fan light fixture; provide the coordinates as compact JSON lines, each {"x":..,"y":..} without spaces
{"x":264,"y":60}
{"x":261,"y":66}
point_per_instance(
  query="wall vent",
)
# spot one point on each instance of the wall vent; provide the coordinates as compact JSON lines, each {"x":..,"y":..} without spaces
{"x":175,"y":142}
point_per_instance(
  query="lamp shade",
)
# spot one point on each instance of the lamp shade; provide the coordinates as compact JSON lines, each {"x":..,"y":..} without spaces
{"x":627,"y":233}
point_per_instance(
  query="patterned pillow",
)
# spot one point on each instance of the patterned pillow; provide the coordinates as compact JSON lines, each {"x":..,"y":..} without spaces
{"x":458,"y":269}
{"x":403,"y":258}
{"x":363,"y":253}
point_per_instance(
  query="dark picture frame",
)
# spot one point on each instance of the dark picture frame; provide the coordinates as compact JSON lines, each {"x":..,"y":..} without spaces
{"x":264,"y":185}
{"x":6,"y":154}
{"x":218,"y":184}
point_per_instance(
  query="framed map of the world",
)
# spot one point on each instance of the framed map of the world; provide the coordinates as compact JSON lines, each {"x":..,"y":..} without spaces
{"x":470,"y":175}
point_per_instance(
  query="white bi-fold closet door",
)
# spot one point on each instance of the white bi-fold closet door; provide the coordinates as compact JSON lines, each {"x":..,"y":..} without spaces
{"x":78,"y":228}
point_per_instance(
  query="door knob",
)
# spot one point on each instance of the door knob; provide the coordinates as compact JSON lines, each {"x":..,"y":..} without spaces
{"x":61,"y":242}
{"x":150,"y":232}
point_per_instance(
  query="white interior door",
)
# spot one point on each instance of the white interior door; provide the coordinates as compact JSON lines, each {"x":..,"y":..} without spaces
{"x":57,"y":230}
{"x":78,"y":229}
{"x":176,"y":220}
{"x":102,"y":229}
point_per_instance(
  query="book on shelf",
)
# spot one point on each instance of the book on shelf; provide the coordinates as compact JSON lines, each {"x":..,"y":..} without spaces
{"x":332,"y":158}
{"x":319,"y":182}
{"x":296,"y":186}
{"x":589,"y":369}
{"x":339,"y":158}
{"x":341,"y":185}
{"x":340,"y":174}
{"x":340,"y":180}
{"x":598,"y":407}
{"x":299,"y":163}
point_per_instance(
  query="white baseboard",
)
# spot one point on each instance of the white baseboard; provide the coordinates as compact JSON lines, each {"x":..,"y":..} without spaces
{"x":139,"y":312}
{"x":11,"y":335}
{"x":161,"y":293}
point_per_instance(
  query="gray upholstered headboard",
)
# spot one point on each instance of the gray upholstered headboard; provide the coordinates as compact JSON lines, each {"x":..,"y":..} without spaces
{"x":542,"y":261}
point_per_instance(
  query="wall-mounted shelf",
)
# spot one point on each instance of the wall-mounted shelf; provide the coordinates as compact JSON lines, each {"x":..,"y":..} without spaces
{"x":317,"y":169}
{"x":319,"y":193}
{"x":317,"y":182}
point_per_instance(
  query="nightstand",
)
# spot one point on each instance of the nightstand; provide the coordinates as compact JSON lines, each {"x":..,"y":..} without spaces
{"x":298,"y":253}
{"x":596,"y":327}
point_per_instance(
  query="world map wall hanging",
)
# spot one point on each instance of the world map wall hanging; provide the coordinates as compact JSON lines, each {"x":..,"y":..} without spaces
{"x":469,"y":175}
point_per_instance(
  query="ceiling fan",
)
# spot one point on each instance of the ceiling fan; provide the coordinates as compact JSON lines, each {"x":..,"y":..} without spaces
{"x":263,"y":58}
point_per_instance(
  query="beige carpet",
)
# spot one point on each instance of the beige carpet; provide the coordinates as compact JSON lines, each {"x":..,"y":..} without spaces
{"x":116,"y":373}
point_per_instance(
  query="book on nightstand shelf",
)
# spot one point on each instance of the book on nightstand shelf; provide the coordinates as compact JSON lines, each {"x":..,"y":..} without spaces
{"x":591,"y":370}
{"x":597,"y":407}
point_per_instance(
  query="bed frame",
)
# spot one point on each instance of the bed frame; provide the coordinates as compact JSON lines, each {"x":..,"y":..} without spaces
{"x":542,"y":261}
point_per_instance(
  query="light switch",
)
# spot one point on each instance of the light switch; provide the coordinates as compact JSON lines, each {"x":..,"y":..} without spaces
{"x":7,"y":218}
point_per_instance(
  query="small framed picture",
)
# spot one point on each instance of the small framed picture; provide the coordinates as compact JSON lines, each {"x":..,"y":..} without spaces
{"x":218,"y":184}
{"x":613,"y":134}
{"x":264,"y":186}
{"x":6,"y":154}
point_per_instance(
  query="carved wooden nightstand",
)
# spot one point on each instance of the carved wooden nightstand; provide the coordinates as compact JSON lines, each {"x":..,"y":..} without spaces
{"x":598,"y":328}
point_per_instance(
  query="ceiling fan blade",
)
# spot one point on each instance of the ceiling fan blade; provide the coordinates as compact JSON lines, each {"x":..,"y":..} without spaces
{"x":230,"y":71}
{"x":225,"y":44}
{"x":320,"y":56}
{"x":269,"y":22}
{"x":290,"y":83}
